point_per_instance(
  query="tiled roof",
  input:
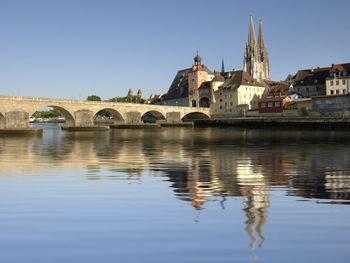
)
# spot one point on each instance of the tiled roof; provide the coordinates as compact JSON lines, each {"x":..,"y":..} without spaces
{"x":201,"y":68}
{"x":218,"y":78}
{"x":333,"y":95}
{"x":340,"y":67}
{"x":272,"y":99}
{"x":239,"y":78}
{"x":179,"y":87}
{"x":205,"y":85}
{"x":315,"y":76}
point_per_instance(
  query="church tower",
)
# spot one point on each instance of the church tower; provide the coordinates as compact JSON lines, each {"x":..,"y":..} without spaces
{"x":256,"y":58}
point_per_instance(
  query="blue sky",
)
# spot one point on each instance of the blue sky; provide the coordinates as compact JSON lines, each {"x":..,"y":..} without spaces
{"x":72,"y":49}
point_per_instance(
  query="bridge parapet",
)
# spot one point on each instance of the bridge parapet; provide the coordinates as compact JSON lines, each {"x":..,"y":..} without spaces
{"x":15,"y":111}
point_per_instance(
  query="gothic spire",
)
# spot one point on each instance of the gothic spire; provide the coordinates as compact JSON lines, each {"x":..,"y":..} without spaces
{"x":222,"y":67}
{"x":251,"y":36}
{"x":261,"y":40}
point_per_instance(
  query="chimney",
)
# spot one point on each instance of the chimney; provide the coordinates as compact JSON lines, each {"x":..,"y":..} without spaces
{"x":233,"y":70}
{"x":312,"y":69}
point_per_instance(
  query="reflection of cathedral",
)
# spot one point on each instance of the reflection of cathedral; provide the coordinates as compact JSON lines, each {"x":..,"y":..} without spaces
{"x":201,"y":165}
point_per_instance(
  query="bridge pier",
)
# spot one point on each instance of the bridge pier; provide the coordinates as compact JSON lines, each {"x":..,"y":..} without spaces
{"x":83,"y":118}
{"x":16,"y":120}
{"x":173,"y":117}
{"x":133,"y":117}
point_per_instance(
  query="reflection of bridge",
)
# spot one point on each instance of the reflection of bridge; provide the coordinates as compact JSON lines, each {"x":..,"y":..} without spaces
{"x":16,"y":111}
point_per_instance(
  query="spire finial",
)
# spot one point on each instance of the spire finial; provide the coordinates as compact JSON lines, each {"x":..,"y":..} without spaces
{"x":251,"y":36}
{"x":222,"y":67}
{"x":197,"y":59}
{"x":261,"y":40}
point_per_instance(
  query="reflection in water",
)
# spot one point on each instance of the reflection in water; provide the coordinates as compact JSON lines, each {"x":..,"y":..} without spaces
{"x":202,"y":165}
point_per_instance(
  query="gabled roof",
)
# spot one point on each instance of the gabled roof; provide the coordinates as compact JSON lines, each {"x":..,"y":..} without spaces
{"x":218,"y":78}
{"x":179,"y":87}
{"x":311,"y":76}
{"x":239,"y":78}
{"x":205,"y":85}
{"x":202,"y":68}
{"x":340,"y":67}
{"x":280,"y":90}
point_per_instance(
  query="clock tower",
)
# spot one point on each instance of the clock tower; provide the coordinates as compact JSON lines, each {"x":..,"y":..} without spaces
{"x":196,"y":77}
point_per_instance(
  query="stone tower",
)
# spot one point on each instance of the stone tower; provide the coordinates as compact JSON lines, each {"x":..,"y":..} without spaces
{"x":256,"y":57}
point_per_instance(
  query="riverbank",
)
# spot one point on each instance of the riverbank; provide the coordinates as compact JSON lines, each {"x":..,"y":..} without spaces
{"x":277,"y":122}
{"x":21,"y":131}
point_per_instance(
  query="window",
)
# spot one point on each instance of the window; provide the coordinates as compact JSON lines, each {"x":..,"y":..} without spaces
{"x":344,"y":81}
{"x":231,"y":96}
{"x":231,"y":103}
{"x":277,"y":104}
{"x":337,"y":91}
{"x":220,"y":100}
{"x":315,"y":81}
{"x":332,"y":82}
{"x":344,"y":91}
{"x":337,"y":82}
{"x":332,"y":91}
{"x":225,"y":96}
{"x":269,"y":105}
{"x":193,"y":80}
{"x":263,"y":105}
{"x":302,"y":82}
{"x":225,"y":103}
{"x":220,"y":107}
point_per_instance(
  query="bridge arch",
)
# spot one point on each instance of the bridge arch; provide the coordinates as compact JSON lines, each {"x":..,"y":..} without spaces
{"x":109,"y":115}
{"x":194,"y":116}
{"x":70,"y":121}
{"x":153,"y":116}
{"x":2,"y":121}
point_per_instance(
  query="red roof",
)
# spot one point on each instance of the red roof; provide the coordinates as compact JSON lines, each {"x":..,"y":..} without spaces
{"x":272,"y":99}
{"x":333,"y":95}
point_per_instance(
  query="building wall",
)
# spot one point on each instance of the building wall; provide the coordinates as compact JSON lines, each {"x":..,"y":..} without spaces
{"x":337,"y":86}
{"x":308,"y":91}
{"x":177,"y":102}
{"x":331,"y":105}
{"x":250,"y":95}
{"x":195,"y":80}
{"x":226,"y":100}
{"x":302,"y":108}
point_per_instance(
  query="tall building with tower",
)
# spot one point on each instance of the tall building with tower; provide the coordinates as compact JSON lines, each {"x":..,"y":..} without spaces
{"x":256,"y":58}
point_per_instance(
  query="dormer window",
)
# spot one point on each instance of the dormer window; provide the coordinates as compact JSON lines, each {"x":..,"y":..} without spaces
{"x":332,"y":74}
{"x":345,"y":73}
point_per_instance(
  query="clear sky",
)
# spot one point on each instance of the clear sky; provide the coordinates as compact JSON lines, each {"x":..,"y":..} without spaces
{"x":72,"y":49}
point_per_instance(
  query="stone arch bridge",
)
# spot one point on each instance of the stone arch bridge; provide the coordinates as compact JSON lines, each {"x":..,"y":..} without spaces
{"x":15,"y":111}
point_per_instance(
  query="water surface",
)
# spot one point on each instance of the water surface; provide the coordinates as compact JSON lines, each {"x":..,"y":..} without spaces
{"x":175,"y":195}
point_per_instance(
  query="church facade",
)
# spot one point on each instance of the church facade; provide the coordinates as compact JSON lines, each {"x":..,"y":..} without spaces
{"x":256,"y":57}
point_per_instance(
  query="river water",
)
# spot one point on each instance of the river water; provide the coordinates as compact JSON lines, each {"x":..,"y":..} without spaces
{"x":175,"y":195}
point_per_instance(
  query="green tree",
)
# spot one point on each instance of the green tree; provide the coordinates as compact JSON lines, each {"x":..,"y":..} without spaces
{"x":94,"y":98}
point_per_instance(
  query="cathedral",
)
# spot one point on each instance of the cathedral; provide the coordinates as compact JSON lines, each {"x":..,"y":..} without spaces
{"x":195,"y":86}
{"x":256,"y":58}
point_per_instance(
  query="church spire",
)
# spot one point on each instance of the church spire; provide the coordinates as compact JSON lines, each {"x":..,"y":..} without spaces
{"x":251,"y":36}
{"x":261,"y":40}
{"x":222,"y":67}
